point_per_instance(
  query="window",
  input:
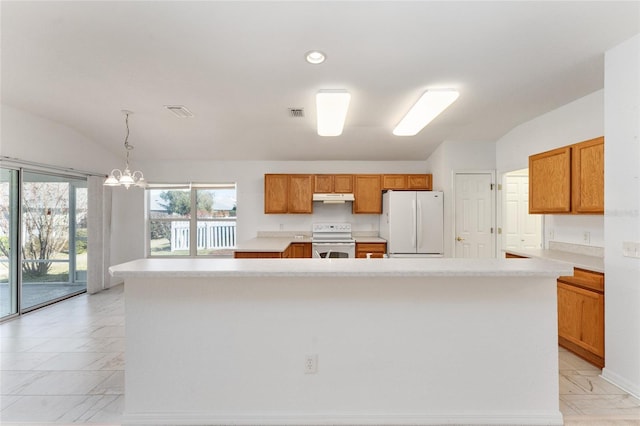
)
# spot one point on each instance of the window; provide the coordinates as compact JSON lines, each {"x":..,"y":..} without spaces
{"x":191,"y":220}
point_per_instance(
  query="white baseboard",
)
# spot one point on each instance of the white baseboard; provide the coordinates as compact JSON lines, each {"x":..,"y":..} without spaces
{"x":270,"y":419}
{"x":621,"y":382}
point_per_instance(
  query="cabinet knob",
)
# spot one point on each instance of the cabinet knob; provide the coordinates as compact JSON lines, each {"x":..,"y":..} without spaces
{"x":459,"y":239}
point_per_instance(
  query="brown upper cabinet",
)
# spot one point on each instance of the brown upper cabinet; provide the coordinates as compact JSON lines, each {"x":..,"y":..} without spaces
{"x":424,"y":182}
{"x":588,"y":176}
{"x":293,"y":193}
{"x":368,"y":194}
{"x":550,"y":181}
{"x":288,"y":193}
{"x":568,"y":179}
{"x":407,"y":181}
{"x":327,"y":184}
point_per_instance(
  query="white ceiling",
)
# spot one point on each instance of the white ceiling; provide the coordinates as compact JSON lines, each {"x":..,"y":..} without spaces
{"x":238,"y":66}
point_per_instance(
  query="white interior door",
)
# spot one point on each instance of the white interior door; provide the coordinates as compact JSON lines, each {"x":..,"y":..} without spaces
{"x":474,"y":215}
{"x":521,"y":230}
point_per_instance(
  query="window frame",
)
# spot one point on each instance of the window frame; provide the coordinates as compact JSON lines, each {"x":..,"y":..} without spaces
{"x":192,"y":219}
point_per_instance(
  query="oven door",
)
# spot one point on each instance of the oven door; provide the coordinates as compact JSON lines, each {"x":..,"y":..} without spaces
{"x":334,"y":250}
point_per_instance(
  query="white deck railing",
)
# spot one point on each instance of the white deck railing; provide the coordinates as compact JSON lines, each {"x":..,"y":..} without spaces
{"x":210,"y":235}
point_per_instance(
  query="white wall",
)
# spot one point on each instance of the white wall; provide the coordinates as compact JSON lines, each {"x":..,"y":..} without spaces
{"x":449,"y":157}
{"x":622,"y":217}
{"x":575,"y":122}
{"x":32,"y":138}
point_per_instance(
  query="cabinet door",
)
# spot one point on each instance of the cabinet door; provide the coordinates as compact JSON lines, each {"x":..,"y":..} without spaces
{"x":343,"y":184}
{"x":550,"y":181}
{"x":588,"y":176}
{"x":419,"y":182}
{"x":368,"y":194}
{"x":323,"y":184}
{"x":299,"y":250}
{"x":394,"y":181}
{"x":377,"y":250}
{"x":275,"y":193}
{"x":300,"y":194}
{"x":581,"y":317}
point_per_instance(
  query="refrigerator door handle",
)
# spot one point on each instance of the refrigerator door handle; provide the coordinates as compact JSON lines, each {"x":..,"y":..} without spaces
{"x":419,"y":224}
{"x":413,"y":228}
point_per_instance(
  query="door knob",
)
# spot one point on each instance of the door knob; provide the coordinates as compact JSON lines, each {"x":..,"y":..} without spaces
{"x":459,"y":239}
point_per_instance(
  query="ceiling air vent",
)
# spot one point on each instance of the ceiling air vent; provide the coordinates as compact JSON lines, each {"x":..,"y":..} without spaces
{"x":179,"y":111}
{"x":296,"y":112}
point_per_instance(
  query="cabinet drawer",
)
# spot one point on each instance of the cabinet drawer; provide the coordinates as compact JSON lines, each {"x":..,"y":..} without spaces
{"x":588,"y":280}
{"x":376,"y":249}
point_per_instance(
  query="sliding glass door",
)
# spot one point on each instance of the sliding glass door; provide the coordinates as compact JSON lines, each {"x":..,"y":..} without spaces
{"x":43,"y":239}
{"x":52,"y":209}
{"x":9,"y":242}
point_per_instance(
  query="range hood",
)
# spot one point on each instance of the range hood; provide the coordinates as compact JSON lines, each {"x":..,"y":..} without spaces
{"x":333,"y":198}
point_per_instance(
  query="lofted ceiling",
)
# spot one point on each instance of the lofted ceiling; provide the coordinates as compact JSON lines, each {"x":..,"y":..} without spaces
{"x":239,"y":66}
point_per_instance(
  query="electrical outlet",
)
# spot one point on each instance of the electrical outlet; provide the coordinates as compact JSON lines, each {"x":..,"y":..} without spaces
{"x":281,"y":226}
{"x":586,"y":237}
{"x":311,"y":364}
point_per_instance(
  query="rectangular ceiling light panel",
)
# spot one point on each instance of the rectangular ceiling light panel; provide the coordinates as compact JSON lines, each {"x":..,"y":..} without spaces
{"x":428,"y":107}
{"x":332,"y":106}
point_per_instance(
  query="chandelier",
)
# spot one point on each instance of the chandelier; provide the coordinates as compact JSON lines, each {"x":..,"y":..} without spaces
{"x":126,"y":178}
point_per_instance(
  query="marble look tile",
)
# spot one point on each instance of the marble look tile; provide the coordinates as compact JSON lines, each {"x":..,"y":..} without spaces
{"x":83,"y":361}
{"x":23,"y":360}
{"x":62,"y":383}
{"x":113,"y":385}
{"x":108,"y":331}
{"x":20,"y":344}
{"x":6,"y":401}
{"x":39,"y":409}
{"x":61,"y":344}
{"x":14,"y":382}
{"x":108,"y":409}
{"x":569,"y":361}
{"x":594,"y":384}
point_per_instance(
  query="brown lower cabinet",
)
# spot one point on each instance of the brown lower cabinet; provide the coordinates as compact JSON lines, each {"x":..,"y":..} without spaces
{"x":257,"y":254}
{"x":581,"y":315}
{"x":377,"y":250}
{"x":294,"y":250}
{"x":298,"y":251}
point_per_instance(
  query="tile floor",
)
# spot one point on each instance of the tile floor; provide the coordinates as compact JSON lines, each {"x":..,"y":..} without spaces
{"x":64,"y":364}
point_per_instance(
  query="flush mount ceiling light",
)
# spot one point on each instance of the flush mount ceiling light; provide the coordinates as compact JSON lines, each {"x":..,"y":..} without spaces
{"x":315,"y":57}
{"x":125,"y":178}
{"x":428,"y":107}
{"x":332,"y":106}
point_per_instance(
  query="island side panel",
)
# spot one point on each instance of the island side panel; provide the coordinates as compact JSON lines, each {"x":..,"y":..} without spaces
{"x":392,"y":350}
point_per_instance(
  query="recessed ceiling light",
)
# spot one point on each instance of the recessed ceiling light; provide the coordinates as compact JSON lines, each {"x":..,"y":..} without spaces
{"x":428,"y":107}
{"x":315,"y":57}
{"x":332,"y":106}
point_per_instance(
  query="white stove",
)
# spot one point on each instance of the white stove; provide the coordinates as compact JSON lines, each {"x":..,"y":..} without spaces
{"x":333,"y":240}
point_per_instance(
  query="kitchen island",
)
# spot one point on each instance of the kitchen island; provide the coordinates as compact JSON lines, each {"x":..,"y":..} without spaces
{"x":341,"y":341}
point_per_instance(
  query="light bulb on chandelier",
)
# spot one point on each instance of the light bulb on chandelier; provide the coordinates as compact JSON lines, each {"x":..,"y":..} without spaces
{"x":126,"y":178}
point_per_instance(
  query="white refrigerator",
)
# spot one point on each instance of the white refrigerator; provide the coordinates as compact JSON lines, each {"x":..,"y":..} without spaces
{"x":412,"y":223}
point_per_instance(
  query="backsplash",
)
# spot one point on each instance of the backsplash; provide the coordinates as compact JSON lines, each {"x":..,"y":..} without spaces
{"x":577,"y":248}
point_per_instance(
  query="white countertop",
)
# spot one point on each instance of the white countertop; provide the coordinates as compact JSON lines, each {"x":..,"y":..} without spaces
{"x":590,"y":263}
{"x":443,"y":267}
{"x":280,"y":244}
